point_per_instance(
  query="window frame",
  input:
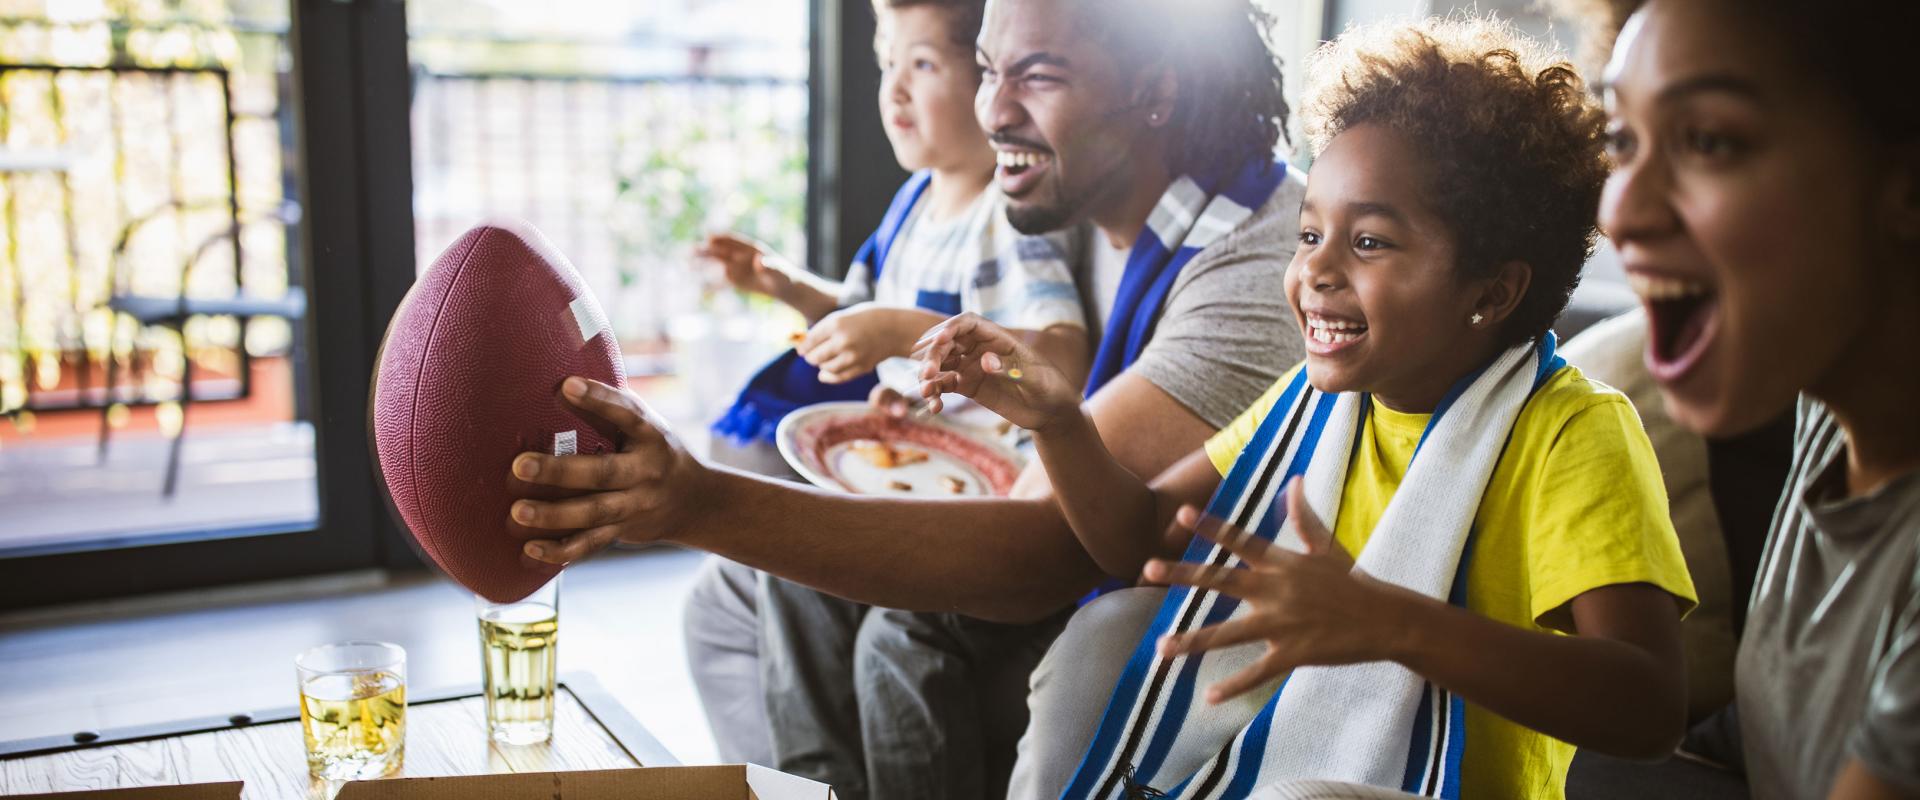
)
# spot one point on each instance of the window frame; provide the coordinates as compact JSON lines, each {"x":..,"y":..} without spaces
{"x":350,"y":100}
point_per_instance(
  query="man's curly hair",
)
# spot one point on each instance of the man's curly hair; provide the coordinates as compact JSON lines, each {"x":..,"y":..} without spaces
{"x":1230,"y":105}
{"x":1514,"y":141}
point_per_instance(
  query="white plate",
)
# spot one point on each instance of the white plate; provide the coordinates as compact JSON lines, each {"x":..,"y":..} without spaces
{"x":830,"y":462}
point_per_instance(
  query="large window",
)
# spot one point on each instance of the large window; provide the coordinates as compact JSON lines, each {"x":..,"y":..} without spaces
{"x":189,"y":315}
{"x":152,"y":376}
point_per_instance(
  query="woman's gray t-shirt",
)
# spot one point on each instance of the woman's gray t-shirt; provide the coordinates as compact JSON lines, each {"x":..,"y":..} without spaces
{"x":1829,"y":665}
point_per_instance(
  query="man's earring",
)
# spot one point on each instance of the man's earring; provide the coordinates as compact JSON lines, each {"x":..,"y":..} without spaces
{"x":1477,"y":318}
{"x":1154,"y":117}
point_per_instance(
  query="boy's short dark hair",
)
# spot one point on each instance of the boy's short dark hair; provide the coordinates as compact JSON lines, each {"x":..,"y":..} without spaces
{"x":963,"y":16}
{"x":1514,"y":141}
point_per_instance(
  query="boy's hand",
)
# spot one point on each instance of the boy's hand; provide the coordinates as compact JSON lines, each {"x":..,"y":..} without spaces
{"x":1312,"y":608}
{"x":970,"y":356}
{"x":850,"y":342}
{"x":640,"y":494}
{"x":748,"y":265}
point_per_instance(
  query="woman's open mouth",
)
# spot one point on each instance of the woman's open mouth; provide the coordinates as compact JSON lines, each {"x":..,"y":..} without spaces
{"x":1327,"y":335}
{"x":1682,"y":317}
{"x":1019,"y":170}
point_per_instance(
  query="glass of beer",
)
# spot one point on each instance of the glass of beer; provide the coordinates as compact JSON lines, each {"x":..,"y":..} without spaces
{"x":353,"y":709}
{"x":518,"y":649}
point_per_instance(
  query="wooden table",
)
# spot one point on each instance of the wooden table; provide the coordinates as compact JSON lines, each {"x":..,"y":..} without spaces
{"x":446,"y":735}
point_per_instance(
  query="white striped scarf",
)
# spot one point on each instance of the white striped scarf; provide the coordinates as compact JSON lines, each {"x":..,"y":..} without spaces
{"x":1374,"y":723}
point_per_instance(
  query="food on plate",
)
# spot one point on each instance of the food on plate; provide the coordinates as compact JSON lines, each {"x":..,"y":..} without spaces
{"x":887,"y":456}
{"x":847,"y":446}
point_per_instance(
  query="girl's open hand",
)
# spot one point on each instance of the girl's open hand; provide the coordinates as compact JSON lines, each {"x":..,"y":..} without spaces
{"x":971,"y":356}
{"x":1311,"y":608}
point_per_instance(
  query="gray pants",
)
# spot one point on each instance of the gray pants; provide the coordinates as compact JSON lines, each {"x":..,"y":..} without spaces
{"x":877,"y":702}
{"x":722,"y":630}
{"x":1072,"y":685}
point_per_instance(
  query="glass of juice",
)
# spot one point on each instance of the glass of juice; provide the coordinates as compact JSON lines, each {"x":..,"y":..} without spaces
{"x":518,"y":650}
{"x":353,"y":709}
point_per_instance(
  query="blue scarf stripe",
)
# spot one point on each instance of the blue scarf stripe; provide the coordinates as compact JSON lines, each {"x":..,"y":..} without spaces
{"x":1244,"y":469}
{"x":1415,"y":778}
{"x":1456,"y":745}
{"x":1243,"y":188}
{"x":1223,"y":606}
{"x":1159,"y":256}
{"x":1420,"y":750}
{"x":1094,"y":776}
{"x":1134,"y":311}
{"x":1550,"y":360}
{"x":1151,"y":270}
{"x":1113,"y":722}
{"x":1252,"y":747}
{"x":1453,"y":738}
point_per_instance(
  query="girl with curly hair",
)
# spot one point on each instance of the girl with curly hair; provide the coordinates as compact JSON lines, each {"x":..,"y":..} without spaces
{"x":1450,"y":625}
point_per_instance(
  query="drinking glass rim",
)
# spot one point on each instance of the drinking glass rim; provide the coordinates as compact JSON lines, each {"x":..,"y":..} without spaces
{"x":481,"y":605}
{"x":398,"y":657}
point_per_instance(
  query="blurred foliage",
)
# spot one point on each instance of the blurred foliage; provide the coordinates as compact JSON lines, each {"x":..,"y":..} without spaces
{"x":676,"y":184}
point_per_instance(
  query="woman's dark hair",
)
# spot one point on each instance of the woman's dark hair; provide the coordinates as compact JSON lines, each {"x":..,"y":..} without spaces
{"x":1840,"y":42}
{"x":1512,"y":138}
{"x":1230,"y":105}
{"x":963,"y":16}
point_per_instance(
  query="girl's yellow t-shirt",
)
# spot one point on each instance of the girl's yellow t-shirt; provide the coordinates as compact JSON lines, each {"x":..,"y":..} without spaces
{"x":1576,"y":503}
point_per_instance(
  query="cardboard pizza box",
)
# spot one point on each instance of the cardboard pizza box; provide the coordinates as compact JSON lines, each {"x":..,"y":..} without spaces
{"x":731,"y":782}
{"x":192,"y":791}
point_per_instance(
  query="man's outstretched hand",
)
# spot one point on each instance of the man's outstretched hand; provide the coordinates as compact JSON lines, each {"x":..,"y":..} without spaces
{"x":641,"y":494}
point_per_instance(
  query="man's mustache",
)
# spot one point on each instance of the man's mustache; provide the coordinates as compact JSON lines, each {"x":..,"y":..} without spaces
{"x":1009,"y":140}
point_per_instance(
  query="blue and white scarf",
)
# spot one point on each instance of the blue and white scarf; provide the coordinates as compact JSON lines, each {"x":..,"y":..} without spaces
{"x":1189,"y":217}
{"x":788,"y":382}
{"x":1377,"y":723}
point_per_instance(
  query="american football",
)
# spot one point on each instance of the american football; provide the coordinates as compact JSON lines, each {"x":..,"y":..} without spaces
{"x":468,"y":377}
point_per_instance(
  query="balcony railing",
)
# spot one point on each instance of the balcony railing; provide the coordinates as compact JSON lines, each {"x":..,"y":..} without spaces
{"x":624,"y":172}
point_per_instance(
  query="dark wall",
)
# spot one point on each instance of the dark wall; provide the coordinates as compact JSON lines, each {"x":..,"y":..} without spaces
{"x":851,"y":174}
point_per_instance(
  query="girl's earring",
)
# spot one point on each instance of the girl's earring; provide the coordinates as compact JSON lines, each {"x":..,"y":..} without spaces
{"x":1477,"y":318}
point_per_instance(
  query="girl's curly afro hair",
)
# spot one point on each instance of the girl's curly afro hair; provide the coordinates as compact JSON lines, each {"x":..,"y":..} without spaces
{"x":1514,"y":140}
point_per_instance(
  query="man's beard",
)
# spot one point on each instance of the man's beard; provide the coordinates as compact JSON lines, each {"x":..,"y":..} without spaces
{"x":1037,"y":219}
{"x":1034,"y":219}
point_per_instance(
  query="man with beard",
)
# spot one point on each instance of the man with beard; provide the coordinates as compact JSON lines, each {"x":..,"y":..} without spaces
{"x":1157,"y":123}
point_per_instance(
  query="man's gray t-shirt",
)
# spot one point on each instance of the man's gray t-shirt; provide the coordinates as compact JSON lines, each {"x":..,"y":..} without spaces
{"x":1829,"y":666}
{"x":1225,"y":332}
